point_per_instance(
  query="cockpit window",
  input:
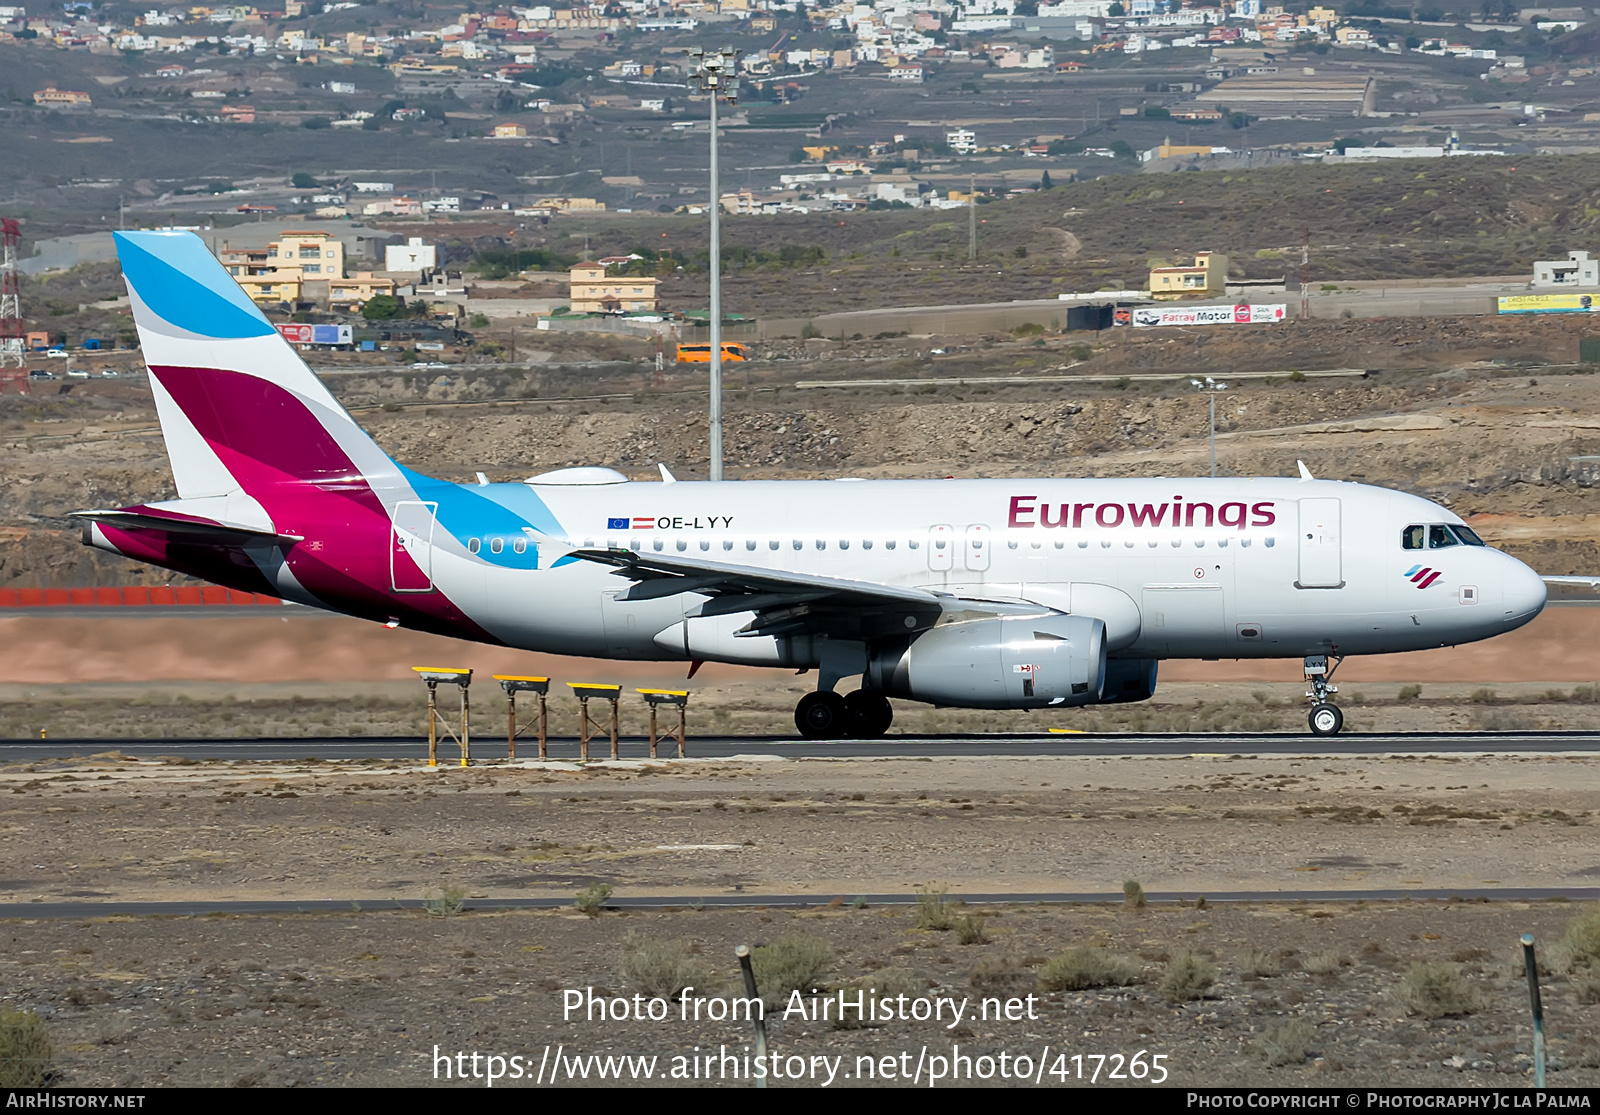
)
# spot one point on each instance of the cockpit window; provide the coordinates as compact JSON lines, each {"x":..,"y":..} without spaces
{"x":1437,"y":536}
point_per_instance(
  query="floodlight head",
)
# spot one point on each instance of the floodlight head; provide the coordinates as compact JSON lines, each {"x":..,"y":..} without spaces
{"x":436,"y":675}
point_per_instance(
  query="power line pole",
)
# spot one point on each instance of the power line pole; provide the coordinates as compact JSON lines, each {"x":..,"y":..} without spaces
{"x":1305,"y":276}
{"x":714,"y":69}
{"x":972,"y":216}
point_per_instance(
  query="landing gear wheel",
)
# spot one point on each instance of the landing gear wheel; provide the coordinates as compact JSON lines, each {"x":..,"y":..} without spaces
{"x":821,"y":716}
{"x":868,"y":714}
{"x":1325,"y":720}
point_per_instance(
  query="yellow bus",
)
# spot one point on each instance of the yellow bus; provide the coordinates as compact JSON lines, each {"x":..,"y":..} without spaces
{"x":701,"y":354}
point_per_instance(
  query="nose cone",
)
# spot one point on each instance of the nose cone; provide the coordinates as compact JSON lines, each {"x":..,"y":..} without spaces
{"x":1522,"y":594}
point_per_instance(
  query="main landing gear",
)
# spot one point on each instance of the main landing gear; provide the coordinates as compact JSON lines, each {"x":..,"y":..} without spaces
{"x":864,"y":713}
{"x":1325,"y":718}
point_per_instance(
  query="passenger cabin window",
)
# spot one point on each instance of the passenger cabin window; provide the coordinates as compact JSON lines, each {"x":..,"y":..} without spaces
{"x":474,"y":545}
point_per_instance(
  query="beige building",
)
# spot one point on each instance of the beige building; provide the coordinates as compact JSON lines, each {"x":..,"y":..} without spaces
{"x":295,"y":268}
{"x":595,"y":292}
{"x":51,"y":97}
{"x":1209,"y":275}
{"x":355,"y":291}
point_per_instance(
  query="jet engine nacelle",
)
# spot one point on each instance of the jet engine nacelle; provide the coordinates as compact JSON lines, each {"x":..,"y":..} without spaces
{"x":1129,"y":680}
{"x":1048,"y":661}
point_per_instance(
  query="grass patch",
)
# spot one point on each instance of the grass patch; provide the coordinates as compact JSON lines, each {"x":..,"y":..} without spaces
{"x":1430,"y":990}
{"x":592,"y":898}
{"x":661,"y":969}
{"x":1085,"y":966}
{"x":1188,"y":976}
{"x":25,"y":1050}
{"x":1286,"y":1042}
{"x":798,"y":962}
{"x":1325,"y":963}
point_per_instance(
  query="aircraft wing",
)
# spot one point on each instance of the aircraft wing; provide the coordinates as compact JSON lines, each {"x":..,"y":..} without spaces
{"x":784,"y":603}
{"x":202,"y":530}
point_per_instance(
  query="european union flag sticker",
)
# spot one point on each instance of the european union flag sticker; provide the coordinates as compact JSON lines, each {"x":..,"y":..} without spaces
{"x":616,"y":524}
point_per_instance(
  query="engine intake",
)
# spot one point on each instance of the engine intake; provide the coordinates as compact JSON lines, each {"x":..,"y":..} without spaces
{"x":1048,"y":661}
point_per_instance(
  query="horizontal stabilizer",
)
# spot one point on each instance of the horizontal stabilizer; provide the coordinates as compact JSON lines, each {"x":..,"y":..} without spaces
{"x":207,"y":530}
{"x":1573,"y":582}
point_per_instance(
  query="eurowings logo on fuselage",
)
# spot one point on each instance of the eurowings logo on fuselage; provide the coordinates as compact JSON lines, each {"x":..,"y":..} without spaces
{"x":1028,"y":511}
{"x":1422,"y":576}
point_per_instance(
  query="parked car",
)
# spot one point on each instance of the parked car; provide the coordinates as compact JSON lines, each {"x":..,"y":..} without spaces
{"x":40,"y":373}
{"x":109,"y":373}
{"x":77,"y":373}
{"x":58,"y":354}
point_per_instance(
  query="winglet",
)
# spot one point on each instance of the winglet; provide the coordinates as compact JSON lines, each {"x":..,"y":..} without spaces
{"x":666,"y":475}
{"x":1305,"y":473}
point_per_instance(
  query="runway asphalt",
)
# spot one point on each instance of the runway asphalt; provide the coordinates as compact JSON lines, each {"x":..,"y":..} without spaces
{"x":489,"y":747}
{"x":201,"y":908}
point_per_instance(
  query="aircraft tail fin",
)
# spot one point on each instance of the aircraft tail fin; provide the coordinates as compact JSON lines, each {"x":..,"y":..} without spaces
{"x":241,"y":413}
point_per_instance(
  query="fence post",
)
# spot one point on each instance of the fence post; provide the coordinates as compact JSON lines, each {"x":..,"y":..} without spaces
{"x":1531,"y":963}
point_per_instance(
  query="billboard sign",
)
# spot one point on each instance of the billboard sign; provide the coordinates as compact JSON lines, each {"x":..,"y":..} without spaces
{"x":1547,"y":304}
{"x":316,"y":334}
{"x":1242,"y":314}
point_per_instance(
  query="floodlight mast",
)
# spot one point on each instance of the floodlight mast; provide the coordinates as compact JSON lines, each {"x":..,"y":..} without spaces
{"x":713,"y":72}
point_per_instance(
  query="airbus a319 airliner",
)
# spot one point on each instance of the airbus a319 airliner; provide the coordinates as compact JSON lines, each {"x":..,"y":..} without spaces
{"x":992,"y":594}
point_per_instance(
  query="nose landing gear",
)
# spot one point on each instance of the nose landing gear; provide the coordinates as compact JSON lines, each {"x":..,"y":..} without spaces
{"x":1325,"y":718}
{"x":863,"y":714}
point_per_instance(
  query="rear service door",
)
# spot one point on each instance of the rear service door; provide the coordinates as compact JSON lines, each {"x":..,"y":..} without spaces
{"x":1321,"y":550}
{"x":411,"y":546}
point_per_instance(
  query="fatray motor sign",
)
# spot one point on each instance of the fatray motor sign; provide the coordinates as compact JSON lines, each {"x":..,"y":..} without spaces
{"x":1242,"y":314}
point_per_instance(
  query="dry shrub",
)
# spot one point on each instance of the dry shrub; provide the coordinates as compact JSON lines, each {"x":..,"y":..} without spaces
{"x":1260,"y":963}
{"x":1325,"y":963}
{"x":1085,"y":966}
{"x":1133,"y":895}
{"x":1000,"y":975}
{"x":1286,"y":1042}
{"x":1430,"y":990}
{"x":969,"y":930}
{"x":1188,"y":976}
{"x":661,"y":969}
{"x":884,"y":983}
{"x":933,"y":909}
{"x":797,"y":962}
{"x":1580,"y":944}
{"x":24,"y":1050}
{"x":1588,"y":984}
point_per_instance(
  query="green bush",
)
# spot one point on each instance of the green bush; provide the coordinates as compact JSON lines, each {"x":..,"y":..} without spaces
{"x":969,"y":930}
{"x":1430,"y":990}
{"x":24,"y":1050}
{"x":1409,"y":693}
{"x":1133,"y":894}
{"x":450,"y":901}
{"x":1085,"y":966}
{"x":797,"y":962}
{"x":592,"y":898}
{"x":1188,"y":976}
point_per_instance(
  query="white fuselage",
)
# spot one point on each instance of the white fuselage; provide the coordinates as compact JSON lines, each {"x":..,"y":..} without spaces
{"x":1188,"y":568}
